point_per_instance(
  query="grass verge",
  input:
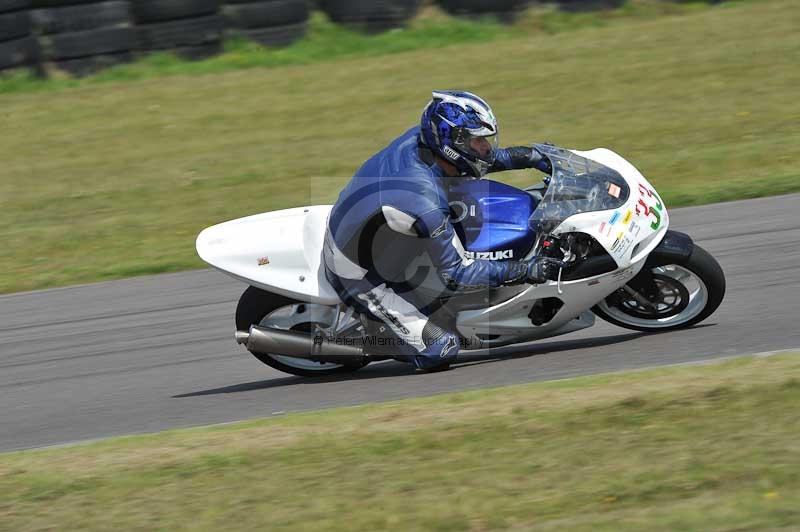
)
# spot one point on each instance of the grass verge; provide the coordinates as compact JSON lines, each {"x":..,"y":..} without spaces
{"x":687,"y":448}
{"x":108,"y":180}
{"x":326,"y":41}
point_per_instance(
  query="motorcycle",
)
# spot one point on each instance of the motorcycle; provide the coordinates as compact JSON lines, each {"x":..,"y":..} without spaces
{"x":596,"y":212}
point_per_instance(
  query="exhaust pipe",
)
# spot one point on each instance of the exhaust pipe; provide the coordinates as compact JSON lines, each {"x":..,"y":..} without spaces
{"x":299,"y":345}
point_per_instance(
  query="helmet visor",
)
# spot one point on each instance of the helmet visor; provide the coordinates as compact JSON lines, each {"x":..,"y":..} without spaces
{"x":482,"y":148}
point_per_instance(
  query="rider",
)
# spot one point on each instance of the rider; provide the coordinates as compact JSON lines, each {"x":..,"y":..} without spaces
{"x":396,"y":207}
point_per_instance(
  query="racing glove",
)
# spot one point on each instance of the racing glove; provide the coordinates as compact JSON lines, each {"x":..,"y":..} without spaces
{"x":543,"y":269}
{"x":519,"y":158}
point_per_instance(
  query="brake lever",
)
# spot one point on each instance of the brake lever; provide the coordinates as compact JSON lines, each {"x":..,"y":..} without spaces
{"x":560,"y":290}
{"x":568,"y":256}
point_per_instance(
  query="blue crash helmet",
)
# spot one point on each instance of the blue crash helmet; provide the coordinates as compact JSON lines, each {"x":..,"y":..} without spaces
{"x":461,"y":128}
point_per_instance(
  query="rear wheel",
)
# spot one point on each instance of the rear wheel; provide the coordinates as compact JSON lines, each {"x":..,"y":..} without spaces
{"x":679,"y":296}
{"x":259,"y":307}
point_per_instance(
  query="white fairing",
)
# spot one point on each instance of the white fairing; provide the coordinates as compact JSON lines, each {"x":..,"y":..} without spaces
{"x":637,"y":226}
{"x":281,"y":252}
{"x":629,"y":233}
{"x":278,"y":251}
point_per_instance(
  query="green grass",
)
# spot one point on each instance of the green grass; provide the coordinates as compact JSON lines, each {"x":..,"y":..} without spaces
{"x":112,"y":179}
{"x":692,"y":448}
{"x":326,"y":41}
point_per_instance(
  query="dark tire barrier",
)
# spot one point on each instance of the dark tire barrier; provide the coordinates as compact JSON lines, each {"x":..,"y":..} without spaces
{"x":504,"y":10}
{"x":82,"y":17}
{"x":82,"y":44}
{"x":147,"y":11}
{"x":371,"y":16}
{"x":588,"y":5}
{"x":89,"y":65}
{"x":18,"y":53}
{"x":279,"y":36}
{"x":191,"y":29}
{"x":14,"y":25}
{"x":82,"y":38}
{"x":198,"y":51}
{"x":18,"y":49}
{"x":59,"y":3}
{"x":267,"y":22}
{"x":7,"y":6}
{"x":265,"y":14}
{"x":199,"y":31}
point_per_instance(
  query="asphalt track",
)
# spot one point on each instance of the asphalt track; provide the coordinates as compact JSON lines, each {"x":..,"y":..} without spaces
{"x":153,"y":353}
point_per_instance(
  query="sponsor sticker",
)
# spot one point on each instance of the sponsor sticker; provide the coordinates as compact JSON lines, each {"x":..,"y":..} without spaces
{"x":617,"y":242}
{"x":614,"y":190}
{"x":614,"y":218}
{"x":628,"y":217}
{"x":450,"y":152}
{"x":622,"y":245}
{"x":439,"y":231}
{"x":627,"y":243}
{"x":451,"y":344}
{"x":634,"y":229}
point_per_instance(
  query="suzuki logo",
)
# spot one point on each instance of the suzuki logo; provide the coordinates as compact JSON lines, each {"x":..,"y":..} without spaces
{"x":490,"y":255}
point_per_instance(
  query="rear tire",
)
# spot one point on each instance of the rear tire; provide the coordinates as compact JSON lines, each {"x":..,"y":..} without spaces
{"x":711,"y":287}
{"x":254,"y":306}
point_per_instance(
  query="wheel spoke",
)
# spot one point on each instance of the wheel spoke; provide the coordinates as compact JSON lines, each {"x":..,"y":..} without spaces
{"x":679,"y":275}
{"x":280,"y":322}
{"x":682,"y":296}
{"x":302,"y":317}
{"x":639,"y":298}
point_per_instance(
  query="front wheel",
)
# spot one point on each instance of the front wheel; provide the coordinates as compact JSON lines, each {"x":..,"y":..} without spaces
{"x":681,"y":295}
{"x":259,"y":307}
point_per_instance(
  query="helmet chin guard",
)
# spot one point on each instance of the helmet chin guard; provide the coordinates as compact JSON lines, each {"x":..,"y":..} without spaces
{"x":461,"y":128}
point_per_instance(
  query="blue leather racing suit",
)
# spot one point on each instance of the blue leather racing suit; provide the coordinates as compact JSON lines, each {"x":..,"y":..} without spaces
{"x":393,"y":209}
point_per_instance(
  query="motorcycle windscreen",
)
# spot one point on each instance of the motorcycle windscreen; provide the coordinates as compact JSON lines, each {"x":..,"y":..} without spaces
{"x":577,"y":185}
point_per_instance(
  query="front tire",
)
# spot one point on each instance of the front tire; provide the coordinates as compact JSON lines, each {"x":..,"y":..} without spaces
{"x":695,"y":288}
{"x":259,"y":307}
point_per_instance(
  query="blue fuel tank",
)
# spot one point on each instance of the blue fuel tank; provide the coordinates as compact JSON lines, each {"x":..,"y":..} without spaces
{"x":492,"y":217}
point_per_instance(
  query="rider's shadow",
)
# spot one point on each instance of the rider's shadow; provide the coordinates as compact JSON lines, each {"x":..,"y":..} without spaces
{"x":399,"y":369}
